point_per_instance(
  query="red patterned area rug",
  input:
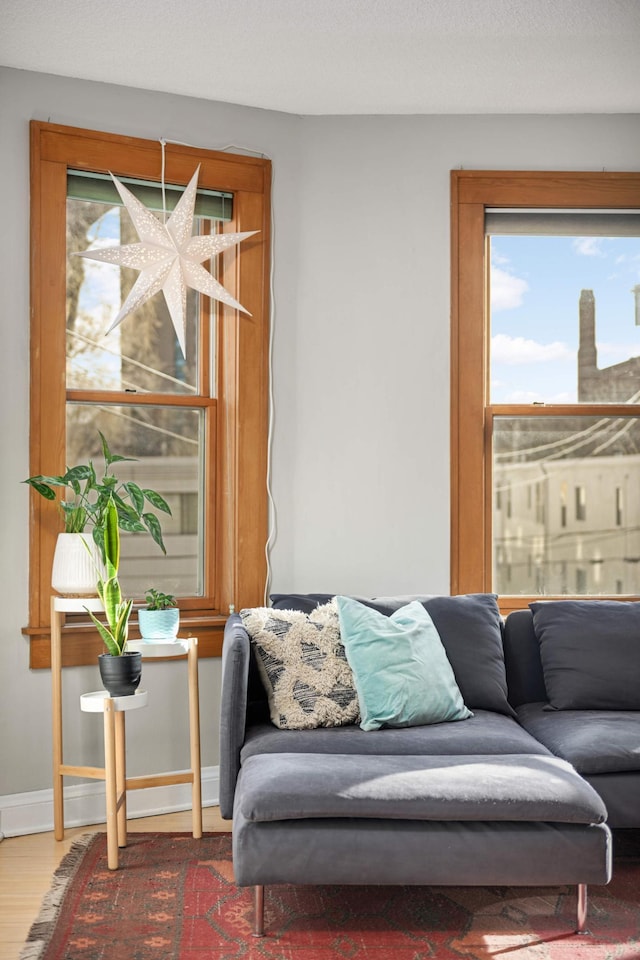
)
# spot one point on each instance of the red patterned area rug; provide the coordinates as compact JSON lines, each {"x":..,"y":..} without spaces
{"x":174,"y":898}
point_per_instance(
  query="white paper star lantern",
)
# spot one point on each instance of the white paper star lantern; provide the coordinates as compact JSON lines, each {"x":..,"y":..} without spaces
{"x":169,"y":258}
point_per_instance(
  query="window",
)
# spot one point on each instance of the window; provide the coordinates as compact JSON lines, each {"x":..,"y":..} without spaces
{"x":112,"y":379}
{"x":551,"y":400}
{"x":619,"y":507}
{"x":563,"y":506}
{"x":196,"y":424}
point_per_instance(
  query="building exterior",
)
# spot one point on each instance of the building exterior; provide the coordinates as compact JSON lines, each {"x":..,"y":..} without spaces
{"x":566,"y":513}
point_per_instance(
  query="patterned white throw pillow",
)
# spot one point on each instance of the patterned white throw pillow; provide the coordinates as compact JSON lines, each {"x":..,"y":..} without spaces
{"x":303,"y":666}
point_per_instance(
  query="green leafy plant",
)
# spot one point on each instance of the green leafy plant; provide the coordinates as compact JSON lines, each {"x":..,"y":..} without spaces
{"x":117,"y":610}
{"x":156,"y":600}
{"x":88,"y":496}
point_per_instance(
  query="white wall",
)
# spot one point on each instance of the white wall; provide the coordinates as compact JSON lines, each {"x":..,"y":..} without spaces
{"x":361,"y":441}
{"x":371,"y":492}
{"x":158,"y":739}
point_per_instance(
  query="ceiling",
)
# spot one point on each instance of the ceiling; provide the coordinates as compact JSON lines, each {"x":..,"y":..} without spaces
{"x":314,"y":57}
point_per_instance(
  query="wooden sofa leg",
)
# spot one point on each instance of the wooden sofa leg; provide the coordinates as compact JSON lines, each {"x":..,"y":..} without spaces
{"x":582,"y":908}
{"x":258,"y":911}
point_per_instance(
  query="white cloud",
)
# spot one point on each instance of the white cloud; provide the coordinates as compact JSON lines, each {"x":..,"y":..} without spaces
{"x":522,"y":396}
{"x":589,"y":246}
{"x":617,"y":352}
{"x":515,"y":351}
{"x":530,"y":396}
{"x":507,"y":290}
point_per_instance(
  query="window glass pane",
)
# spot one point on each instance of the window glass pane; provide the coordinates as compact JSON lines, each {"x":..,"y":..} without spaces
{"x":142,"y":353}
{"x":565,"y":319}
{"x":566,"y":514}
{"x":167,"y":443}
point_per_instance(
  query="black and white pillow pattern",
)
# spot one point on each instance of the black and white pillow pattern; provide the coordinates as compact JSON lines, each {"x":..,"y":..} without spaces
{"x":302,"y":663}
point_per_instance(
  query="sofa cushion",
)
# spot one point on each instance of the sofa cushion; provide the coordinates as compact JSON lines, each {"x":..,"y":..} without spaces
{"x":484,"y":732}
{"x":470,"y":629}
{"x":620,"y":794}
{"x":303,"y":666}
{"x":590,"y":652}
{"x":305,"y":602}
{"x":486,"y":788}
{"x":525,"y":679}
{"x":594,"y":741}
{"x":400,"y":668}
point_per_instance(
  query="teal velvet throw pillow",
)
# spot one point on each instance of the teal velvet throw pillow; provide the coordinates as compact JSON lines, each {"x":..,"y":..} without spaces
{"x":401,"y":672}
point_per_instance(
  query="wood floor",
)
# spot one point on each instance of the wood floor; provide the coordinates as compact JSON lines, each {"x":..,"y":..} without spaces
{"x":27,"y":865}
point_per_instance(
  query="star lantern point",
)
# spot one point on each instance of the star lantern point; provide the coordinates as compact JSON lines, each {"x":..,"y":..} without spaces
{"x":169,"y":258}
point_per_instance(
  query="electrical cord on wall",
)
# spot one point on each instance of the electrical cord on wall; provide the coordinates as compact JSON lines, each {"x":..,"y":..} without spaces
{"x":272,"y":519}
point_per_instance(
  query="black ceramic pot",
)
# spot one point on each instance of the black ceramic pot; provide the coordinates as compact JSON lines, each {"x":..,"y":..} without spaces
{"x":120,"y":675}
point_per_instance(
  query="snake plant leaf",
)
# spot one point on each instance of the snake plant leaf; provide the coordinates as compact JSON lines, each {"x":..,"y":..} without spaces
{"x":122,"y":627}
{"x":105,"y":634}
{"x":112,"y":600}
{"x":111,"y":535}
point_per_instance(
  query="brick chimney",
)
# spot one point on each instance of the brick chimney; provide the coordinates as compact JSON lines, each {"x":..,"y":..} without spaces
{"x":587,"y":352}
{"x":636,"y":292}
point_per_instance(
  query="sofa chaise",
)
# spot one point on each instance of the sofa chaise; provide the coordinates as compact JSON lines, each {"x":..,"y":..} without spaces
{"x":490,"y":796}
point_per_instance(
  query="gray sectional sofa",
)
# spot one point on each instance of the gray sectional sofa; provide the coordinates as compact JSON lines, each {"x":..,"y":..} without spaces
{"x":495,"y":798}
{"x":591,"y":714}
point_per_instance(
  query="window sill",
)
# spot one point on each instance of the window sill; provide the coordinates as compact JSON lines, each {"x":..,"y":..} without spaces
{"x":508,"y":603}
{"x":81,"y":644}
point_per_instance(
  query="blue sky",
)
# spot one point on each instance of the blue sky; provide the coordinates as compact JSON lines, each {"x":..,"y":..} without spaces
{"x":535,"y":288}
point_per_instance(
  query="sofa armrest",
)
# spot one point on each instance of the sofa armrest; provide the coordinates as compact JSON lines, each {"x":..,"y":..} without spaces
{"x":236,"y":657}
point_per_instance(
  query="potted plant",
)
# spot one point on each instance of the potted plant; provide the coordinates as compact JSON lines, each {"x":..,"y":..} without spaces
{"x":120,"y":670}
{"x":160,"y":618}
{"x":83,"y":506}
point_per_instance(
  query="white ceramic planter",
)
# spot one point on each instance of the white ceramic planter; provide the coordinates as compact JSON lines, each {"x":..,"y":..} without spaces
{"x":75,"y":569}
{"x":159,"y":624}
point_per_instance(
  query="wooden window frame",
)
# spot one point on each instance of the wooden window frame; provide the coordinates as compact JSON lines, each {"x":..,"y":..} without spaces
{"x":472,"y":191}
{"x":240,"y":431}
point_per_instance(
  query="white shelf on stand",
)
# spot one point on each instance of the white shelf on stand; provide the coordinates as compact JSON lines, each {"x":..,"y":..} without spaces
{"x":77,"y":604}
{"x":114,"y":710}
{"x":159,"y":648}
{"x":94,"y":702}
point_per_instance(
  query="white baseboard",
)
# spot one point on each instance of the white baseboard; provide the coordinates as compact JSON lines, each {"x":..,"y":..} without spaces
{"x":84,"y":804}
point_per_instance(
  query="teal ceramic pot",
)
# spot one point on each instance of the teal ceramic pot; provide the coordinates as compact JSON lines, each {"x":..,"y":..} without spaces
{"x":159,"y":624}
